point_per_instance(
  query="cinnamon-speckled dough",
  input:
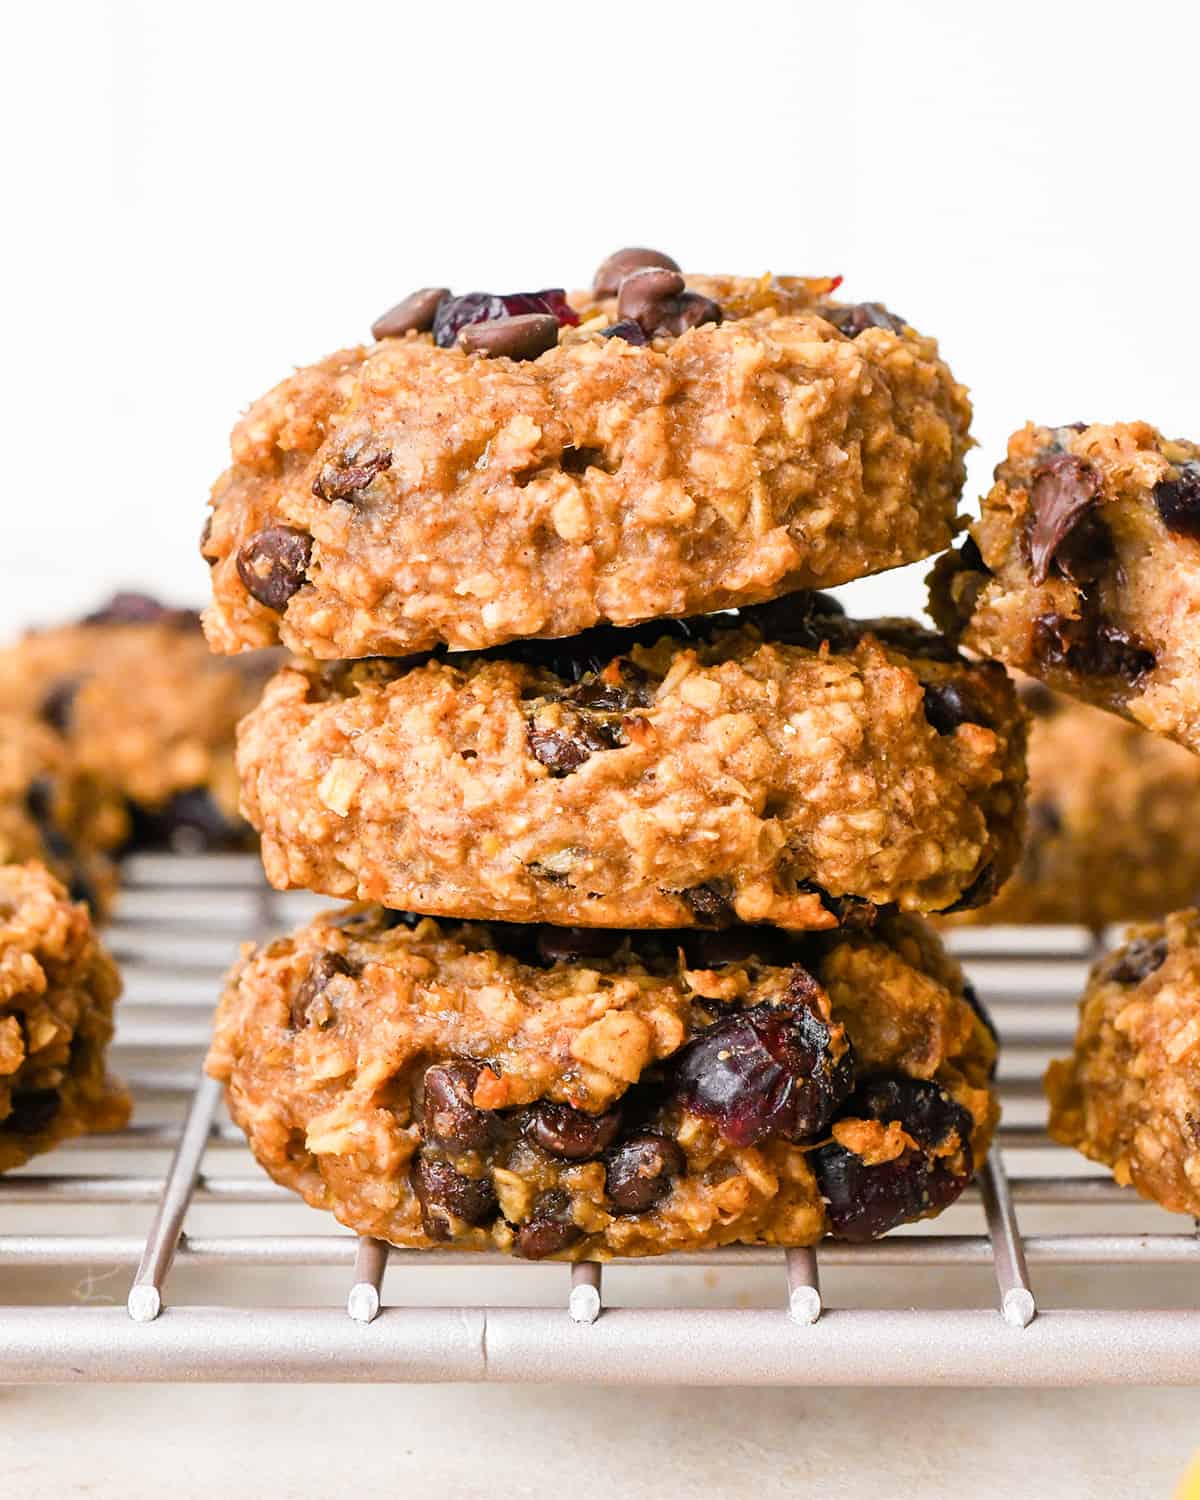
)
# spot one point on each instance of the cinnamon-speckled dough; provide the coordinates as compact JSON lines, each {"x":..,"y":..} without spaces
{"x":53,"y":811}
{"x":146,"y":709}
{"x":57,"y":992}
{"x":1113,"y":829}
{"x":1130,"y":1095}
{"x":1084,"y":571}
{"x":784,"y":767}
{"x":480,"y":500}
{"x":587,"y":1094}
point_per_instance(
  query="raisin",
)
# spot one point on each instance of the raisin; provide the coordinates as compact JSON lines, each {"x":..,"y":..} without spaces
{"x":346,"y":475}
{"x":639,"y":1172}
{"x":1138,"y":960}
{"x":446,"y":1194}
{"x":571,"y":1134}
{"x":864,"y":1201}
{"x":947,"y":706}
{"x":450,"y":1117}
{"x":273,"y":564}
{"x":322,"y":969}
{"x":773,"y":1069}
{"x":1178,"y":501}
{"x":709,"y":903}
{"x":1090,"y":647}
{"x":855,"y":913}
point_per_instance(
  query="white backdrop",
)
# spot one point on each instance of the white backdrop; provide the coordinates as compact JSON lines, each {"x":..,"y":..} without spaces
{"x":201,"y":196}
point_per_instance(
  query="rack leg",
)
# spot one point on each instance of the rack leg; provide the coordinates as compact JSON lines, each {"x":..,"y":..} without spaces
{"x":370,"y":1262}
{"x":1017,"y":1304}
{"x":804,"y":1286}
{"x":584,"y":1303}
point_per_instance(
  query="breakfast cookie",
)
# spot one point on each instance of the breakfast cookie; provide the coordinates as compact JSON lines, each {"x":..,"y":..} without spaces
{"x":496,"y":468}
{"x":1113,"y":826}
{"x":57,"y":992}
{"x":1130,"y":1095}
{"x":586,"y":1094}
{"x":1084,"y":571}
{"x":787,"y":765}
{"x":145,"y":707}
{"x":52,"y":811}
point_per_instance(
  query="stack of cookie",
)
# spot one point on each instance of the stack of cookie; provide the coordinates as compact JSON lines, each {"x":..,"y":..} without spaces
{"x":645,"y":827}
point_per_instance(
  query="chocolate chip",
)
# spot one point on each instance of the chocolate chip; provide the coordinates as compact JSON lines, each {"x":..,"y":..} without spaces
{"x":570,"y":1133}
{"x":561,"y":752}
{"x":522,"y":337}
{"x":58,"y":702}
{"x":344,"y":477}
{"x":574,"y":460}
{"x":981,"y":890}
{"x":272,"y":564}
{"x":446,"y":1194}
{"x":656,"y":300}
{"x":550,"y":1229}
{"x":1063,"y":491}
{"x":857,"y":317}
{"x":621,"y":263}
{"x":734,"y":945}
{"x":1090,"y":647}
{"x":449,"y":1114}
{"x":1178,"y":501}
{"x":638,"y":1174}
{"x":568,"y":945}
{"x":32,"y":1111}
{"x":414,"y":315}
{"x":970,"y":559}
{"x":323,"y":968}
{"x":625,"y":329}
{"x":710,"y":903}
{"x":971,"y":996}
{"x":947,"y":706}
{"x":1138,"y":961}
{"x":205,"y":538}
{"x":854,"y":913}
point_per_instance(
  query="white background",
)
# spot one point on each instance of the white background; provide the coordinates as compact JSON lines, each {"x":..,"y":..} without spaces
{"x":197,"y":197}
{"x":200,"y":196}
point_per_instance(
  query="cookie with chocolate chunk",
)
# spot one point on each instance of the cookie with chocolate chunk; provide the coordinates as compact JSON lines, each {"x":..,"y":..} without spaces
{"x":1130,"y":1094}
{"x":584,"y":1094}
{"x":1084,"y":571}
{"x":57,"y":992}
{"x":499,"y":467}
{"x":784,"y":765}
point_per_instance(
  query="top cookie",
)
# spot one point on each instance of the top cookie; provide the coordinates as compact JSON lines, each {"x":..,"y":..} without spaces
{"x":661,"y":452}
{"x":1084,"y":571}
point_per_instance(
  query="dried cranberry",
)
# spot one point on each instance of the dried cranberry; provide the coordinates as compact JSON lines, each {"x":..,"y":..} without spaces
{"x":450,"y":1117}
{"x":773,"y":1069}
{"x":446,"y":1194}
{"x":639,"y":1171}
{"x":864,"y":1201}
{"x":571,"y":1134}
{"x":1178,"y":501}
{"x":1138,"y":960}
{"x":456,"y":313}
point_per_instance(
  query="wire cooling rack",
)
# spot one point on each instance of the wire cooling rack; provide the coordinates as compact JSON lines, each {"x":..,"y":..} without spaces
{"x":162,"y":1253}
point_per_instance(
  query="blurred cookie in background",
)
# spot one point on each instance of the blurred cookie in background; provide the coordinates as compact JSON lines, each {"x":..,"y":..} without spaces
{"x":146,"y":709}
{"x":1113,"y":830}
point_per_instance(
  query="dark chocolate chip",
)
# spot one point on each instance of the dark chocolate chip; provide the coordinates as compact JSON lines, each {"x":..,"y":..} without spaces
{"x":190,"y":822}
{"x":570,"y":1133}
{"x":855,"y":913}
{"x":32,"y":1111}
{"x":1138,"y":961}
{"x":1063,"y":491}
{"x":970,"y":559}
{"x":562,"y":752}
{"x":58,"y":702}
{"x":569,"y":945}
{"x":612,"y":272}
{"x":550,"y":1229}
{"x":344,"y":477}
{"x":980,"y":891}
{"x":1090,"y":647}
{"x":627,"y":329}
{"x":449,"y":1114}
{"x":857,"y":317}
{"x":522,"y":337}
{"x":1178,"y":501}
{"x":735,"y":945}
{"x":639,"y":1171}
{"x":710,"y":903}
{"x":446,"y":1194}
{"x":971,"y":996}
{"x":645,"y":295}
{"x":323,"y":968}
{"x":947,"y":706}
{"x":414,"y":315}
{"x":273,"y":564}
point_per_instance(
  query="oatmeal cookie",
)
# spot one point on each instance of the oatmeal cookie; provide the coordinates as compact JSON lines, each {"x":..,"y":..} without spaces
{"x":786,"y":766}
{"x":57,"y":992}
{"x":51,"y":810}
{"x":1084,"y":571}
{"x":1130,"y":1095}
{"x":664,"y":450}
{"x":147,"y":709}
{"x":1113,"y":830}
{"x":586,"y":1094}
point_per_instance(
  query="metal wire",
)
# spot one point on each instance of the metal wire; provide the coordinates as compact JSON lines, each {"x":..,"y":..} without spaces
{"x":181,"y":919}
